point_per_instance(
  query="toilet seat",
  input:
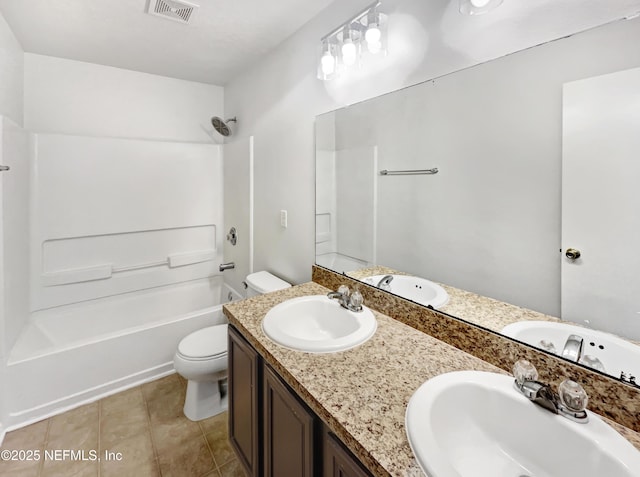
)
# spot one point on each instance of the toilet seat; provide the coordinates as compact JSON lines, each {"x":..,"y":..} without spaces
{"x":206,"y":343}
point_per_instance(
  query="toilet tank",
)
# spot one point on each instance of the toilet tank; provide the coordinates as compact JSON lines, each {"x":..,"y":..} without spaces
{"x":263,"y":282}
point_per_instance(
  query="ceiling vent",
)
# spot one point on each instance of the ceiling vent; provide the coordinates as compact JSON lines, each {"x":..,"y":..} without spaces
{"x":177,"y":10}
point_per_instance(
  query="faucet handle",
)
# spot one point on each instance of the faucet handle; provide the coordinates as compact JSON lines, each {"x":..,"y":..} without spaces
{"x":573,"y":396}
{"x":523,"y":371}
{"x":344,"y":289}
{"x":356,"y":300}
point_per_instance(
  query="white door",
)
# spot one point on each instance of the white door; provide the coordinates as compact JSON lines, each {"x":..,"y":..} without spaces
{"x":601,"y":202}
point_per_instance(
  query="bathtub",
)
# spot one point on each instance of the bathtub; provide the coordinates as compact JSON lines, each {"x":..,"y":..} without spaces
{"x":69,"y":355}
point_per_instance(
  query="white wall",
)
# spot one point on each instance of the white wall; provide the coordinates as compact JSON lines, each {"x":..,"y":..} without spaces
{"x":66,"y":96}
{"x":11,"y":74}
{"x":277,"y":99}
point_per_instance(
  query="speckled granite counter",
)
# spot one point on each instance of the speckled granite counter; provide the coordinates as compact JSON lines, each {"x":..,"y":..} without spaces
{"x":477,"y":309}
{"x":480,"y":310}
{"x":361,"y":394}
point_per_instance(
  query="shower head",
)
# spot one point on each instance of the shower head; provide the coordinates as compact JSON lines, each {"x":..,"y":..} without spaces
{"x":223,"y":126}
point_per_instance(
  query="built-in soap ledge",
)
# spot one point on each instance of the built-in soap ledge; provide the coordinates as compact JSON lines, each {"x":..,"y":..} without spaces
{"x":106,"y":271}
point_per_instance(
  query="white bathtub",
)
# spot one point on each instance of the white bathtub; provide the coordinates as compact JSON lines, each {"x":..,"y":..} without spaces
{"x":78,"y":353}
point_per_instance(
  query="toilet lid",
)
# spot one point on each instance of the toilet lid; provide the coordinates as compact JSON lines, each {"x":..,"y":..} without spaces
{"x":204,"y":343}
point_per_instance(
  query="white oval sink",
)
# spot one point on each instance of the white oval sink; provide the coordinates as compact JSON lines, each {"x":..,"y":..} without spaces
{"x":476,"y":424}
{"x":616,"y":354}
{"x":420,"y":290}
{"x":318,"y":324}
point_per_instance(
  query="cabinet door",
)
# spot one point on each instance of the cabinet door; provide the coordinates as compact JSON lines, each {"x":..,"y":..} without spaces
{"x":288,"y":431}
{"x":338,"y":461}
{"x":244,"y":431}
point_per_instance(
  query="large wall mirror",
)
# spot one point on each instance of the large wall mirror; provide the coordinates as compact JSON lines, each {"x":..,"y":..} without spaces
{"x":514,"y":185}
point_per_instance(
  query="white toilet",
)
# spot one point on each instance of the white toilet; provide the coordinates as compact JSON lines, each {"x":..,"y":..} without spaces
{"x":201,"y":358}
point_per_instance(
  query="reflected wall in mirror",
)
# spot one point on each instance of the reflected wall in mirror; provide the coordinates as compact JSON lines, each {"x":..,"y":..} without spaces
{"x":489,"y":225}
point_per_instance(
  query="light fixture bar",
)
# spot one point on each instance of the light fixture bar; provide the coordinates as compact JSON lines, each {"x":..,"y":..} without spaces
{"x":362,"y":37}
{"x":355,"y":19}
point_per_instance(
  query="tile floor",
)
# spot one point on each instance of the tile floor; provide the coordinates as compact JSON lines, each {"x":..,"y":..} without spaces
{"x":145,"y":424}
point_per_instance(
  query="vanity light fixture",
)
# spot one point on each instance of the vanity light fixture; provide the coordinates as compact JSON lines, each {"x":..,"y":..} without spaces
{"x":345,"y":47}
{"x":350,"y":45}
{"x":478,"y":7}
{"x":328,"y":60}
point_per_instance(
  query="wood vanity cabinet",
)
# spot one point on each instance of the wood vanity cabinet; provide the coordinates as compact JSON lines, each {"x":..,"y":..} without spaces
{"x":288,"y":430}
{"x":272,"y":430}
{"x":244,"y":415}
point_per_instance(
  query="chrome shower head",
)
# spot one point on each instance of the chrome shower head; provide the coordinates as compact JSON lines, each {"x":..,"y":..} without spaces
{"x":223,"y":126}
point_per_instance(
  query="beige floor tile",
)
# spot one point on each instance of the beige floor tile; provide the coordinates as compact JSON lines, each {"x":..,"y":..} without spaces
{"x":17,"y":468}
{"x":30,"y":437}
{"x":215,"y":423}
{"x":122,"y":417}
{"x":220,"y":447}
{"x":129,"y":453}
{"x":166,"y":408}
{"x":114,"y":404}
{"x":130,"y":466}
{"x":190,"y":459}
{"x":69,"y":469}
{"x":76,"y":438}
{"x":138,"y":423}
{"x":232,"y":469}
{"x":75,"y":429}
{"x":175,"y":433}
{"x":161,"y":387}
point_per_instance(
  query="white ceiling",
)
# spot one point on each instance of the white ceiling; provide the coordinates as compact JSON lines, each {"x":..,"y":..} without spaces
{"x":223,"y":37}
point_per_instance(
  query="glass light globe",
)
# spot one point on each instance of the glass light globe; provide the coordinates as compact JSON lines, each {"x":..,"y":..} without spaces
{"x":479,"y":3}
{"x":349,"y":52}
{"x":328,"y":63}
{"x":373,"y":34}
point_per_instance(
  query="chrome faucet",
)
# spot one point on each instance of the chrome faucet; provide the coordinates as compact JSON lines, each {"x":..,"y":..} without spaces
{"x":573,"y":348}
{"x":350,"y":301}
{"x":385,"y":282}
{"x":570,"y":401}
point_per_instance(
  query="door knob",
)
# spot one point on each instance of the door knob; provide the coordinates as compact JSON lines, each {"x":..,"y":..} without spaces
{"x":572,"y":254}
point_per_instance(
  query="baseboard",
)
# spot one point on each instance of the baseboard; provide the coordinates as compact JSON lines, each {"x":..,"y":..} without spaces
{"x":29,"y":416}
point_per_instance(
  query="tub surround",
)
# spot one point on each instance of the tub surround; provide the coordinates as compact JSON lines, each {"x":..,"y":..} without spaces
{"x":361,"y":394}
{"x":608,"y":397}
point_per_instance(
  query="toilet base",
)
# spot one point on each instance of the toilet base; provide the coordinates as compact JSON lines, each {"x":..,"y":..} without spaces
{"x":204,"y":400}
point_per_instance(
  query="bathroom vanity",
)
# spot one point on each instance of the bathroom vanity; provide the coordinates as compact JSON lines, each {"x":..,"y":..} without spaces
{"x":270,"y":426}
{"x":330,"y":414}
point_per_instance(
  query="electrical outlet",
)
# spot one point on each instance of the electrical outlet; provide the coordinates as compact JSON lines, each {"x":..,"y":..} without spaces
{"x":283,"y":218}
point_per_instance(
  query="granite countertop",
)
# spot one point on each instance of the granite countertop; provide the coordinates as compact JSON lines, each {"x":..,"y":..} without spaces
{"x":361,"y":394}
{"x":477,"y":309}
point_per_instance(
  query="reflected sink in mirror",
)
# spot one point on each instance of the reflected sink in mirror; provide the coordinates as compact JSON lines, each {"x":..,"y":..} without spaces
{"x":419,"y":290}
{"x":602,"y":351}
{"x":318,"y":324}
{"x":476,"y":424}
